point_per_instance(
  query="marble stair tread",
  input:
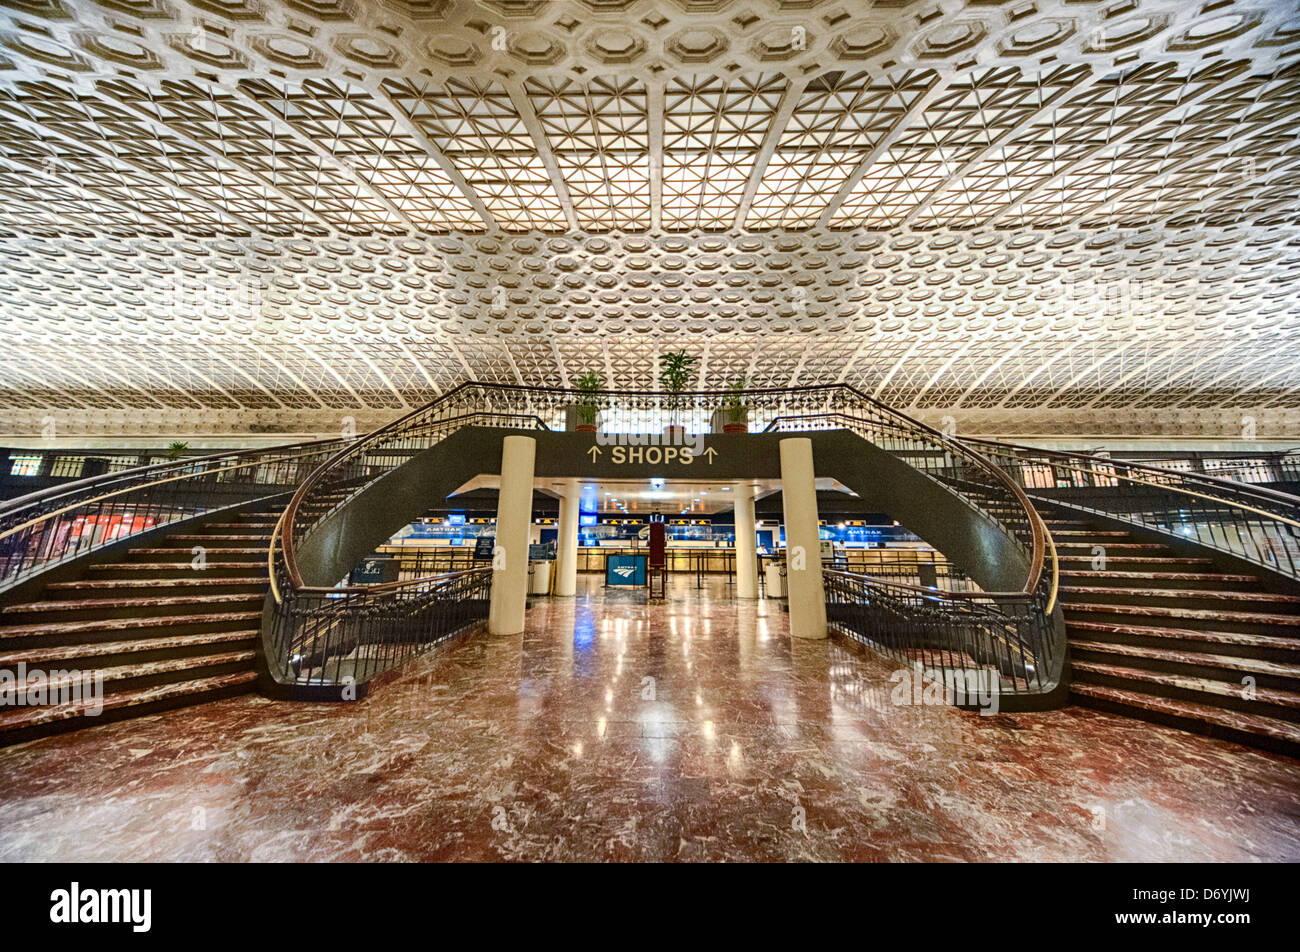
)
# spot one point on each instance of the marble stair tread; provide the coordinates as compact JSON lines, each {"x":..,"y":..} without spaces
{"x":200,"y":580}
{"x":211,"y":548}
{"x":1289,"y":699}
{"x":1237,"y":639}
{"x":1120,"y":559}
{"x":1188,"y":710}
{"x":16,"y":718}
{"x":125,"y":624}
{"x":99,"y":649}
{"x":252,"y":568}
{"x":145,"y":669}
{"x":1267,"y":597}
{"x":220,"y":537}
{"x":1162,"y":576}
{"x":1197,"y":614}
{"x":152,"y":601}
{"x":1091,"y":533}
{"x":1199,"y":658}
{"x":1125,"y":546}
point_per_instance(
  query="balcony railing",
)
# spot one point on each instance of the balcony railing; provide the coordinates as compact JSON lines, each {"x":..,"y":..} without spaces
{"x":1253,"y":523}
{"x":43,"y":530}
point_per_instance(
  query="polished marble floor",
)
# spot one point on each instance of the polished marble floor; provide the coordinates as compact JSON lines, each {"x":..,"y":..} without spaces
{"x":613,"y":730}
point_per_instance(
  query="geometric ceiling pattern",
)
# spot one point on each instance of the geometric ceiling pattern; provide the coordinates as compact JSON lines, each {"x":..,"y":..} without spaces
{"x":1034,"y":216}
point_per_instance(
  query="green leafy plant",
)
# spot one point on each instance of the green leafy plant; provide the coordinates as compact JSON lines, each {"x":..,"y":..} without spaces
{"x":675,"y":370}
{"x":736,"y":408}
{"x":176,"y":448}
{"x":590,"y":382}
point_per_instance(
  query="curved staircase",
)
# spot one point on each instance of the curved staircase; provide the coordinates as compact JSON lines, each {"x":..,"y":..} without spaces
{"x":170,"y":623}
{"x":1200,"y":633}
{"x":1175,"y":639}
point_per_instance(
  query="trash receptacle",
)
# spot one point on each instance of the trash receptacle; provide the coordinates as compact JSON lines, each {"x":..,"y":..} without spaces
{"x":541,"y":579}
{"x":775,"y":581}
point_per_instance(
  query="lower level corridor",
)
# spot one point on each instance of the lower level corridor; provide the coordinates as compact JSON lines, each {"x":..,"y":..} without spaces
{"x":695,"y":730}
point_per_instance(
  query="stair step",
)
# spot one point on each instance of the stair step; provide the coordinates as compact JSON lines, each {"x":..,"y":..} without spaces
{"x":1089,"y":533}
{"x":1238,"y":723}
{"x":18,"y":719}
{"x":183,"y":555}
{"x":1090,"y":574}
{"x":245,"y":537}
{"x":200,"y":580}
{"x":100,"y":604}
{"x":92,"y":627}
{"x":1207,"y":686}
{"x":182,"y":568}
{"x":1237,"y":639}
{"x":1110,"y":546}
{"x":1150,"y":559}
{"x":1197,"y":658}
{"x":227,"y":549}
{"x":145,"y":669}
{"x":104,"y":649}
{"x":1195,"y":614}
{"x":1268,"y":598}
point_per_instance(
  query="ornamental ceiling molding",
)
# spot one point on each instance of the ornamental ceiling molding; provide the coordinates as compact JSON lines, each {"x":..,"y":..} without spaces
{"x":321,"y":206}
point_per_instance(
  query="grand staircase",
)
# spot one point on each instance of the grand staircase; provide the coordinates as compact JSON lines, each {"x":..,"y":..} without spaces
{"x":1157,"y":631}
{"x":1175,"y":639}
{"x":169,"y":623}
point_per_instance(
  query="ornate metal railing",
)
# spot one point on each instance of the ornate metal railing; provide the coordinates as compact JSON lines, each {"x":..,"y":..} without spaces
{"x":1012,"y":639}
{"x":1253,"y":523}
{"x":45,"y":529}
{"x":346,"y":636}
{"x":320,"y":636}
{"x":1257,"y":468}
{"x":317,"y":635}
{"x":979,"y":645}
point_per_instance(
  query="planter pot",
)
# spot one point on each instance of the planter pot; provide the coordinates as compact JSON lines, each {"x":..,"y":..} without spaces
{"x":675,"y":433}
{"x":735,"y":428}
{"x":580,"y":419}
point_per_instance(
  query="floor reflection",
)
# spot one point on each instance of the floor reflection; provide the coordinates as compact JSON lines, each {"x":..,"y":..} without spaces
{"x":615,"y":730}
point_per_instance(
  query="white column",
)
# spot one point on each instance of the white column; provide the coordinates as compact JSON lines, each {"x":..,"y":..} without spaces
{"x":746,"y":544}
{"x":566,"y":543}
{"x":807,"y":598}
{"x":514,"y":518}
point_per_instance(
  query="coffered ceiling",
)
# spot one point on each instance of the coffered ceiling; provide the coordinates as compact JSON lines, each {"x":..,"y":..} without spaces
{"x":1031,"y":216}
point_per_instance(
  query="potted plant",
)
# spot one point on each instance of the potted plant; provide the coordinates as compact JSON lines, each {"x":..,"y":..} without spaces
{"x":176,"y":449}
{"x":586,"y":410}
{"x":675,"y":369}
{"x":735,"y":410}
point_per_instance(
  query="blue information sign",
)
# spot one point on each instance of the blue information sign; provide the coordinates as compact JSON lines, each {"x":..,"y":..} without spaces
{"x":625,"y":570}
